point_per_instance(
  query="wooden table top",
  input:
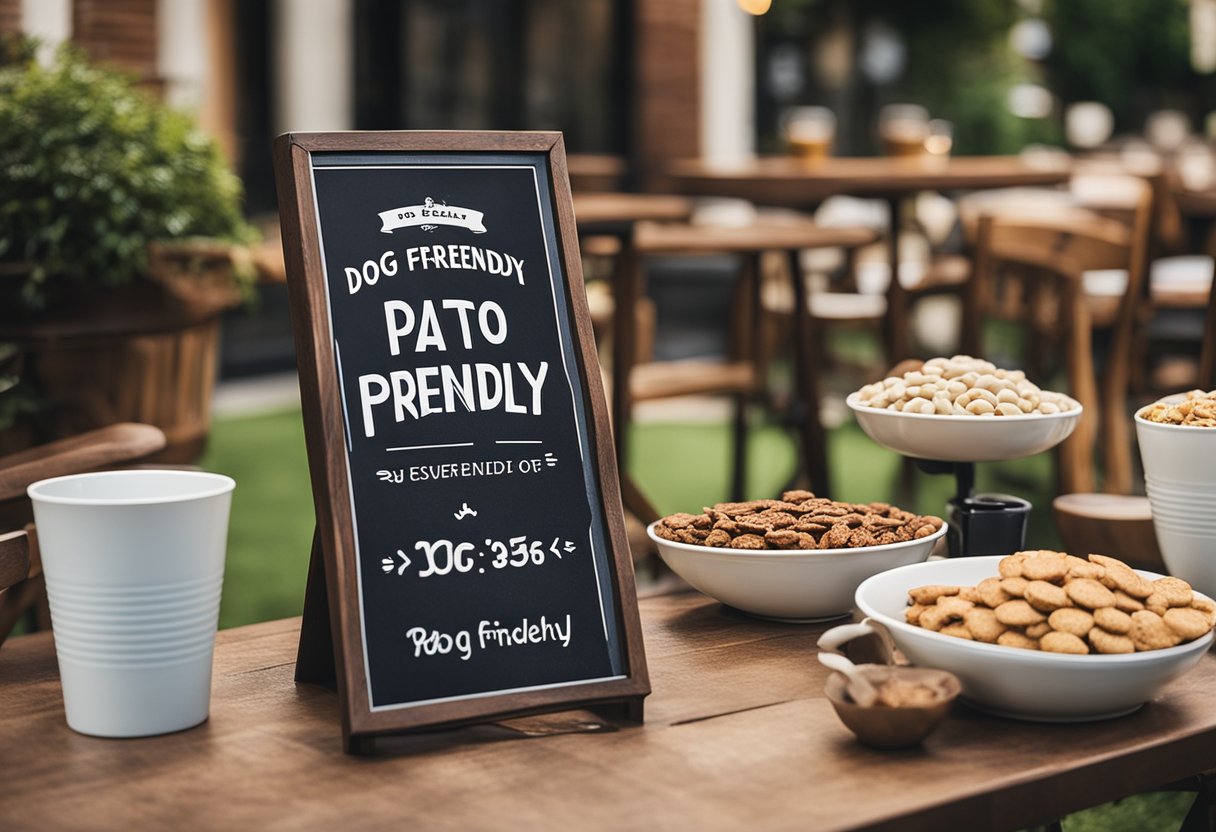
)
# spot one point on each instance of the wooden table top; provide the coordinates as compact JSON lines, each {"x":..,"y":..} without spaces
{"x":737,"y":736}
{"x":599,"y":208}
{"x":786,"y":180}
{"x":684,"y":238}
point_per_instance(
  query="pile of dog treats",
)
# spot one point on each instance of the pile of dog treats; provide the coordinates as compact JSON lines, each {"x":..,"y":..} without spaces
{"x":799,"y":520}
{"x":1051,"y":601}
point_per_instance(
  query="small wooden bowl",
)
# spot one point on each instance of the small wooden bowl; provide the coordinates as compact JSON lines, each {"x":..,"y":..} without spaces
{"x":885,"y":727}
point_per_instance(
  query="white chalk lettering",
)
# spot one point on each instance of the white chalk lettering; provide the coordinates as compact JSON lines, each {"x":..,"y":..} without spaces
{"x":473,"y":388}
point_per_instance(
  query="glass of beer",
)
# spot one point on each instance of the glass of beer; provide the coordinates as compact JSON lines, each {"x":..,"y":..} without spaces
{"x":809,"y":132}
{"x":903,"y":129}
{"x":940,"y":139}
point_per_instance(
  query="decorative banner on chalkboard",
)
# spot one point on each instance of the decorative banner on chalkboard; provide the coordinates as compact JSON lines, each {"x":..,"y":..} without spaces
{"x":469,"y":520}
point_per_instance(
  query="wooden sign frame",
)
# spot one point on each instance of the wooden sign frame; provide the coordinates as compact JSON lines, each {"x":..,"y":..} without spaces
{"x":331,"y":646}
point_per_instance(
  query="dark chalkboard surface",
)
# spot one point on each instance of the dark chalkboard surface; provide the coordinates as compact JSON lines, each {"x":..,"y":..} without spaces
{"x":468,"y":508}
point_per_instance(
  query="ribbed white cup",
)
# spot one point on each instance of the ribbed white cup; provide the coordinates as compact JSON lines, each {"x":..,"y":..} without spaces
{"x":1180,"y":479}
{"x":134,"y":564}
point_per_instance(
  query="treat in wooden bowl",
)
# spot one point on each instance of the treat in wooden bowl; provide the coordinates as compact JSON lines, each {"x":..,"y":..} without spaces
{"x":909,"y":703}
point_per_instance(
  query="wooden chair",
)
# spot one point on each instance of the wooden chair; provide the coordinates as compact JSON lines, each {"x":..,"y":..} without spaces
{"x":1207,"y":355}
{"x":1058,"y":263}
{"x":739,"y":376}
{"x":869,"y":297}
{"x":22,"y":588}
{"x":1054,"y":262}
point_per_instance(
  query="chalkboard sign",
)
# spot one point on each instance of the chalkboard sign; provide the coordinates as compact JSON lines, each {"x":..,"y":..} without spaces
{"x":470,"y":544}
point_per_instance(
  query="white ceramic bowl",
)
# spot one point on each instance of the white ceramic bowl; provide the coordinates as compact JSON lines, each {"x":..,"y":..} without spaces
{"x":787,"y":584}
{"x":964,"y":438}
{"x":1025,"y":684}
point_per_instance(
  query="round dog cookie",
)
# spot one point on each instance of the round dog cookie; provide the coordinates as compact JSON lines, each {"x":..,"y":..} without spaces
{"x":1149,"y":632}
{"x":1157,"y":602}
{"x":957,"y":630}
{"x":1088,"y":593}
{"x":1206,"y":607}
{"x":1078,"y":568}
{"x":1113,"y":620}
{"x":1014,"y":587}
{"x":912,"y":613}
{"x":1119,"y":575}
{"x":1016,"y":638}
{"x":1109,"y":643}
{"x":1038,"y":630}
{"x":1058,"y":642}
{"x":991,"y":594}
{"x":1045,"y":566}
{"x":1045,"y":597}
{"x":1127,"y":603}
{"x":934,"y":618}
{"x":1186,"y":622}
{"x":954,"y":607}
{"x":983,"y":624}
{"x":929,"y":594}
{"x":1018,"y":613}
{"x":1011,"y":566}
{"x":1177,"y":592}
{"x":1072,"y":620}
{"x":970,"y":594}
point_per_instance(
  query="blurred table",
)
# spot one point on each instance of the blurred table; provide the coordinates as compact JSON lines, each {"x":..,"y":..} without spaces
{"x":613,"y":215}
{"x":738,"y":735}
{"x":788,"y":181}
{"x":1203,"y":204}
{"x":788,"y":238}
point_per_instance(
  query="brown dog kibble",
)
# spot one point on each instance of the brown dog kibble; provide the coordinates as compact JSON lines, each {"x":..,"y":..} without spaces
{"x":799,"y":520}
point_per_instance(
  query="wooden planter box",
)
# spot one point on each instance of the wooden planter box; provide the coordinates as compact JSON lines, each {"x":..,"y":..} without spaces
{"x":139,"y":353}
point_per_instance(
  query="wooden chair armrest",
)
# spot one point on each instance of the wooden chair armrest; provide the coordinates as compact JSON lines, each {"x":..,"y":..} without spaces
{"x":14,"y":558}
{"x":111,"y":445}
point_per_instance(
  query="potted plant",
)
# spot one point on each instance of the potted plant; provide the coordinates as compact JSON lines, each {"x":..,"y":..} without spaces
{"x":121,"y":242}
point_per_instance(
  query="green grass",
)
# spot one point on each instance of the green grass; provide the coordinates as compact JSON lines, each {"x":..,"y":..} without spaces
{"x":270,"y":529}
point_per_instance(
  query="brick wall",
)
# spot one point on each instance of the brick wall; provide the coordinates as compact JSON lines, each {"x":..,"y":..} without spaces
{"x":121,"y":32}
{"x":666,"y":82}
{"x":10,"y":16}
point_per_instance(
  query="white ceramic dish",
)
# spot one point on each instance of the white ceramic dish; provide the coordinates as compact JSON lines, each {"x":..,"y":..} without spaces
{"x":787,"y":584}
{"x":964,"y":438}
{"x":1024,"y":684}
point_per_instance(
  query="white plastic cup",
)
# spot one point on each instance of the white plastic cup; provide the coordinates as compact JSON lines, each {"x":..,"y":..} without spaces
{"x":1180,"y":478}
{"x":134,"y":563}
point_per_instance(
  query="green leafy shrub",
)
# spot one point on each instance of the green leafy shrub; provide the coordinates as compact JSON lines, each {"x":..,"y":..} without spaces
{"x":92,"y":170}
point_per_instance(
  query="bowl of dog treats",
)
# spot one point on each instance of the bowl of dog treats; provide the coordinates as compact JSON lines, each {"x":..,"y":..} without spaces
{"x":799,"y":558}
{"x":963,"y":409}
{"x":1043,"y":635}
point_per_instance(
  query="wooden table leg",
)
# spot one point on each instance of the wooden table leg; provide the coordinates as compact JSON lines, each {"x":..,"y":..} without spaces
{"x":626,"y":288}
{"x":1207,"y":356}
{"x":895,"y":329}
{"x":807,"y":362}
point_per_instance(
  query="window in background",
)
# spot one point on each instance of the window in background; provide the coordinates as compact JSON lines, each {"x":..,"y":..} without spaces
{"x":494,"y":65}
